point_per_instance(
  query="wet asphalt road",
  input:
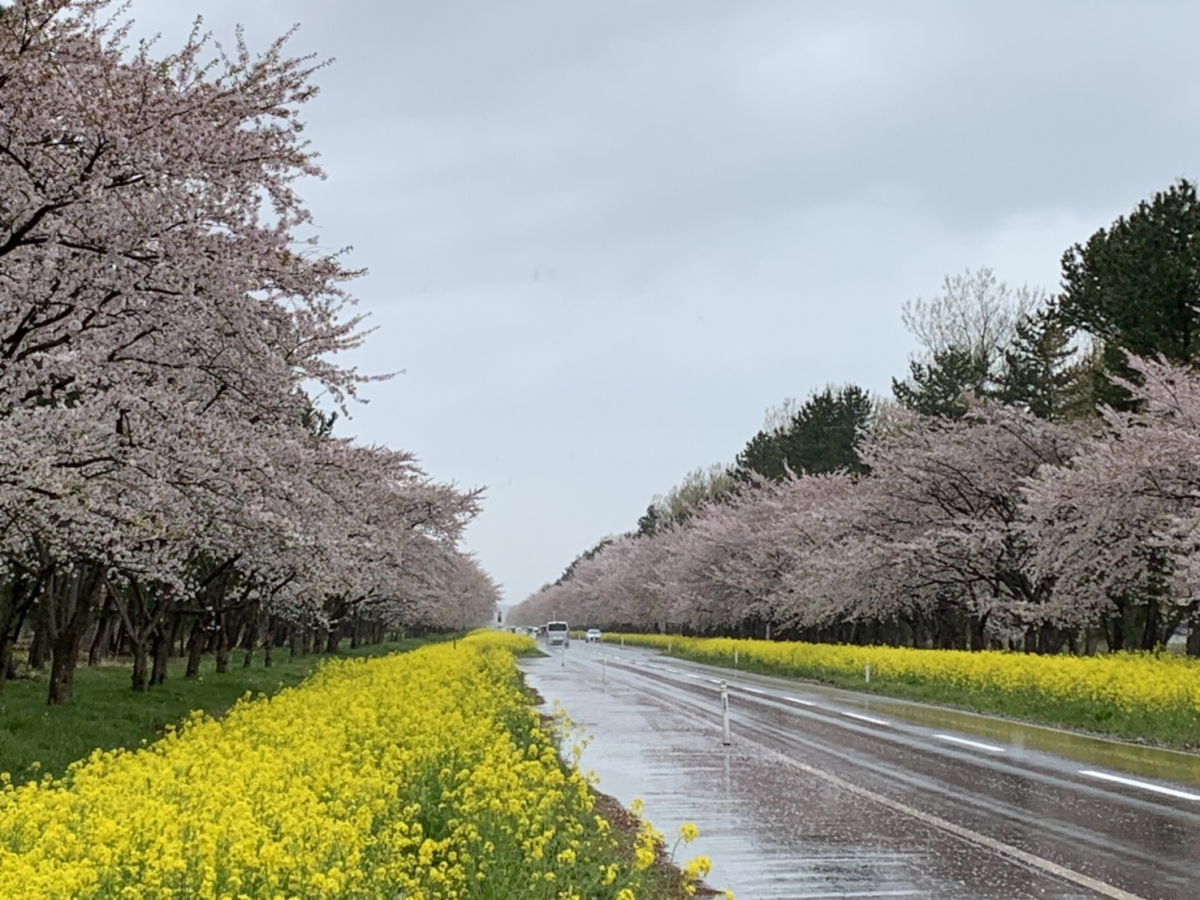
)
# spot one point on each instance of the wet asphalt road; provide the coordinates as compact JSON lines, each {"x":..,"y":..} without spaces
{"x":826,"y":794}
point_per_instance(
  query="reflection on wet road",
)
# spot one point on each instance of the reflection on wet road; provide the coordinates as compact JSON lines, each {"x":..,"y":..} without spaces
{"x":828,"y":794}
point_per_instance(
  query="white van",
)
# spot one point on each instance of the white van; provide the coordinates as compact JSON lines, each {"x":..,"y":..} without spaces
{"x":557,"y":634}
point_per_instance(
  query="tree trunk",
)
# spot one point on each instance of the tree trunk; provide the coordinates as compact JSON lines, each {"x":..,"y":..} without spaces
{"x":1150,"y":627}
{"x":1050,"y":639}
{"x":141,"y":666}
{"x":1115,"y":636}
{"x":101,"y":641}
{"x":332,"y":641}
{"x":39,"y":647}
{"x":222,"y":637}
{"x":1029,"y":645}
{"x":195,"y":649}
{"x":161,"y":644}
{"x":73,"y":604}
{"x":64,"y":654}
{"x":1193,"y":638}
{"x":6,"y":660}
{"x":978,"y":626}
{"x":251,"y":643}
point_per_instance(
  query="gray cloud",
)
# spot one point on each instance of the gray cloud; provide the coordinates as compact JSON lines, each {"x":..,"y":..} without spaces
{"x":603,"y":238}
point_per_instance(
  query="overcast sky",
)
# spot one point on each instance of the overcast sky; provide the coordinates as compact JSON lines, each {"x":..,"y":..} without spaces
{"x":604,"y":237}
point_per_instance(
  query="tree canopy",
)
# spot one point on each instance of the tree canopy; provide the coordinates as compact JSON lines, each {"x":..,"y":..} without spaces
{"x":162,"y":322}
{"x":1135,"y":285}
{"x":823,"y":435}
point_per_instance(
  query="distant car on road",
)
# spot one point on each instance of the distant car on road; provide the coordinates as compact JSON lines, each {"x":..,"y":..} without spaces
{"x":593,"y":636}
{"x":557,"y":634}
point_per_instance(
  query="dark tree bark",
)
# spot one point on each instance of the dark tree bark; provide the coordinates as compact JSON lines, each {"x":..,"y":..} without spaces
{"x":39,"y":646}
{"x":222,"y":641}
{"x":75,"y":599}
{"x":161,"y":644}
{"x":102,"y":641}
{"x":195,"y":648}
{"x":6,"y":661}
{"x":251,"y":638}
{"x":141,"y":666}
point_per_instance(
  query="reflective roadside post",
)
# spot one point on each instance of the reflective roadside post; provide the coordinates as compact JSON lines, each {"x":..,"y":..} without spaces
{"x":725,"y":713}
{"x":604,"y":670}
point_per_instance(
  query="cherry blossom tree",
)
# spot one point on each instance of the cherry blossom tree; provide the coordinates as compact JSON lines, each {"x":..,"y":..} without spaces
{"x":944,"y":508}
{"x":163,"y":320}
{"x":1120,"y":527}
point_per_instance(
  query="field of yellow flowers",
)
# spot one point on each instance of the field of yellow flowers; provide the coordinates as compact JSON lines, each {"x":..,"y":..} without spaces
{"x":422,"y":776}
{"x":1136,"y":695}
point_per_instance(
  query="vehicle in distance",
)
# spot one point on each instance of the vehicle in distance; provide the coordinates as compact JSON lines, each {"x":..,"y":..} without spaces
{"x":557,"y":634}
{"x":593,"y":636}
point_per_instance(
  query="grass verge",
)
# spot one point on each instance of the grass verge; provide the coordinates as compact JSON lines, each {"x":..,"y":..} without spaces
{"x":105,"y":713}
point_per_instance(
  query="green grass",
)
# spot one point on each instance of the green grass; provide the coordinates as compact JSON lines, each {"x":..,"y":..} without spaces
{"x":105,"y":713}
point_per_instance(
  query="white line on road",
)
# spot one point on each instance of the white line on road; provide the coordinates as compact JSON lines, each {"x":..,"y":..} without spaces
{"x":1100,"y":887}
{"x":1144,"y":785}
{"x":753,"y":691}
{"x":862,"y":718}
{"x":801,"y":702}
{"x":841,"y":894}
{"x":990,"y":748}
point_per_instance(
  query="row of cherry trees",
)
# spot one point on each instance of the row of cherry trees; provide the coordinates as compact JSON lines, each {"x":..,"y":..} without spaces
{"x":163,"y":323}
{"x":997,"y":529}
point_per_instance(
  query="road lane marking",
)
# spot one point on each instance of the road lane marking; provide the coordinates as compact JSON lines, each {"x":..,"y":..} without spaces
{"x":1144,"y":785}
{"x":840,"y":894}
{"x":863,"y":718}
{"x":801,"y":702}
{"x":1100,"y":887}
{"x":754,"y":691}
{"x":990,"y":748}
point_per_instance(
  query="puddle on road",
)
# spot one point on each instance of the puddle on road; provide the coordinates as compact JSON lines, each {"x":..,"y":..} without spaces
{"x":771,"y":831}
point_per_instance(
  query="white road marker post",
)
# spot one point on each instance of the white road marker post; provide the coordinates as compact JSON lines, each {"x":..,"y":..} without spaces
{"x":735,"y":657}
{"x":604,"y":670}
{"x":725,"y":713}
{"x":868,"y":673}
